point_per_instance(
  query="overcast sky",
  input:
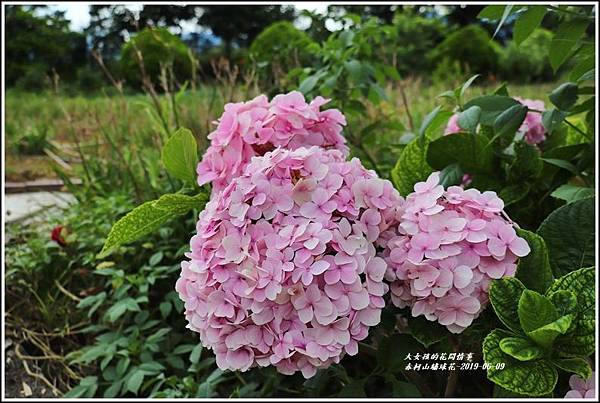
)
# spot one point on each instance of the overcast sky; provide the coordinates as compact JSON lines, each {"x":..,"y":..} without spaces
{"x":78,"y":13}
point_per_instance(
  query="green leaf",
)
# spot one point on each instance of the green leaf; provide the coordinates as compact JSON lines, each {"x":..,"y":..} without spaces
{"x":527,"y":22}
{"x":578,"y":366}
{"x":403,"y":389}
{"x":535,"y":311}
{"x":87,"y":388}
{"x":552,"y":118}
{"x":564,"y":301}
{"x":520,"y":348}
{"x":565,"y":40}
{"x":584,"y":65}
{"x":195,"y":355}
{"x":165,"y":308}
{"x":564,"y":96}
{"x":451,"y":175}
{"x":122,"y":306}
{"x":569,"y":235}
{"x":466,"y":85}
{"x":463,"y":148}
{"x":491,"y":106}
{"x":141,"y":221}
{"x":508,"y":122}
{"x":309,"y":83}
{"x":411,"y":167}
{"x":180,"y":155}
{"x":562,"y":164}
{"x":532,"y":378}
{"x":113,"y":389}
{"x":504,"y":297}
{"x":505,"y":15}
{"x":135,"y":381}
{"x":571,"y":193}
{"x":534,"y":269}
{"x":469,"y":118}
{"x":492,"y":12}
{"x":514,"y":193}
{"x":545,"y":335}
{"x":580,"y":341}
{"x":425,"y":124}
{"x":527,"y":163}
{"x":177,"y":203}
{"x":426,"y":332}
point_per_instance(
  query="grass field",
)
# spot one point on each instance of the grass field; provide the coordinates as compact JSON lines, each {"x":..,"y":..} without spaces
{"x":68,"y":125}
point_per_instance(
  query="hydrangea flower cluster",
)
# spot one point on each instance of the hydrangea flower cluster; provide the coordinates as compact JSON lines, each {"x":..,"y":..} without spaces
{"x":283,"y":269}
{"x":580,"y":388}
{"x":532,"y":128}
{"x":249,"y":129}
{"x":446,"y":249}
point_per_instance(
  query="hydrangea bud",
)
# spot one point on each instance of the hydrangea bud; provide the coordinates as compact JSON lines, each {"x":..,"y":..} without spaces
{"x":283,"y":269}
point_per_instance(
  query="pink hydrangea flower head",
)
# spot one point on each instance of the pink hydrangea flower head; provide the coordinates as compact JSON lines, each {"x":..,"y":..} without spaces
{"x":248,"y":129}
{"x":532,"y":126}
{"x":445,"y":247}
{"x":582,"y":389}
{"x":283,"y":268}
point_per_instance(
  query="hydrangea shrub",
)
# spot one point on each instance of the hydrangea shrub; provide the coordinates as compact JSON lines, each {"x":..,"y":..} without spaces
{"x":283,"y":269}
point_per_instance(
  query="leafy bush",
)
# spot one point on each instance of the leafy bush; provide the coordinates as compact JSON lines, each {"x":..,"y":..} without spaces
{"x":159,"y":49}
{"x":278,"y":49}
{"x":528,"y":61}
{"x":472,"y":47}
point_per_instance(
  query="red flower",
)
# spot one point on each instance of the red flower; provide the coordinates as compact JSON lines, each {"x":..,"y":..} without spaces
{"x":57,"y":235}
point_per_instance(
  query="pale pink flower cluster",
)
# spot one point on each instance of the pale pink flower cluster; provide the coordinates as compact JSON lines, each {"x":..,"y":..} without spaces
{"x":446,"y":249}
{"x":283,"y":269}
{"x":249,"y":129}
{"x":532,"y":128}
{"x":581,"y":389}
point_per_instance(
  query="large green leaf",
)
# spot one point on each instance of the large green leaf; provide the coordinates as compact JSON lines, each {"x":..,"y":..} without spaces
{"x":469,"y":119}
{"x":532,"y":378}
{"x":411,"y":167}
{"x":468,"y":150}
{"x":545,"y":335}
{"x":504,"y":297}
{"x":580,"y":340}
{"x":571,"y":193}
{"x":578,"y":366}
{"x":180,"y":155}
{"x":491,"y":106}
{"x":564,"y":301}
{"x":534,"y":269}
{"x":569,"y":234}
{"x":564,"y":96}
{"x":527,"y":22}
{"x":508,"y":122}
{"x":521,"y":348}
{"x":535,"y":310}
{"x":527,"y":162}
{"x":565,"y":39}
{"x":178,"y":203}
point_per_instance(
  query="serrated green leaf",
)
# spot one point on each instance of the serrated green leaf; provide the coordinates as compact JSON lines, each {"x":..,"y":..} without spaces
{"x":463,"y":148}
{"x":564,"y":301}
{"x":520,"y":348}
{"x":545,"y":335}
{"x":571,"y":193}
{"x":527,"y":22}
{"x":491,"y":106}
{"x":580,"y":341}
{"x":504,"y":297}
{"x":564,"y":41}
{"x":534,"y":269}
{"x":535,"y":310}
{"x":141,"y":221}
{"x":532,"y":378}
{"x":180,"y":155}
{"x":177,"y":203}
{"x":411,"y":167}
{"x":564,"y":96}
{"x":578,"y":366}
{"x":569,"y":235}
